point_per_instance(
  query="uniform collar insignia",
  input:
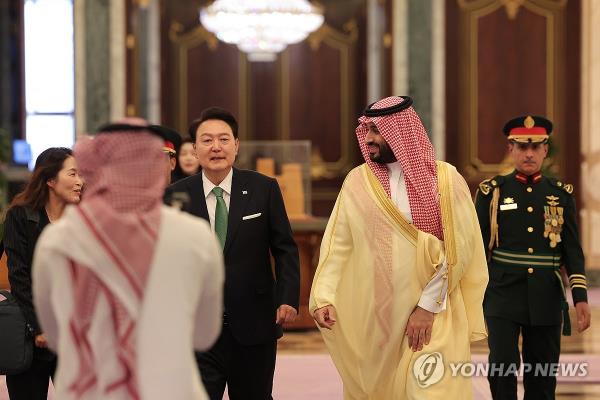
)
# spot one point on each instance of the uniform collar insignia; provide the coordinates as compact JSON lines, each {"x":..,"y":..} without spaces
{"x":525,"y":179}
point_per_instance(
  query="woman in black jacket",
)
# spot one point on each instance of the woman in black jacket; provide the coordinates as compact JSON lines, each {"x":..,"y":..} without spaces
{"x":54,"y":183}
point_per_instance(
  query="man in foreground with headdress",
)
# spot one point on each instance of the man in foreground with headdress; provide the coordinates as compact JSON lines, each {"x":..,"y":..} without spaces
{"x":399,"y":287}
{"x":124,"y":286}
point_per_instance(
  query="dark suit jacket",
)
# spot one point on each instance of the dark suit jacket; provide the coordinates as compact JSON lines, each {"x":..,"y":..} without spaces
{"x":252,"y":293}
{"x":22,"y":228}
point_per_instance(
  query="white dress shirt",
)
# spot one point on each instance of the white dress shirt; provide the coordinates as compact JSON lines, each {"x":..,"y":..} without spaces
{"x":211,"y":199}
{"x":398,"y":190}
{"x":433,"y":298}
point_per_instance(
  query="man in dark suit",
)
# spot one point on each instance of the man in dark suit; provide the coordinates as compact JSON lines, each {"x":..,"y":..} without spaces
{"x":247,"y":213}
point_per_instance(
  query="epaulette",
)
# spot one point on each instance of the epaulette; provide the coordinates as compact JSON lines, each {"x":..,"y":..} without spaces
{"x":567,"y":187}
{"x":487,"y":186}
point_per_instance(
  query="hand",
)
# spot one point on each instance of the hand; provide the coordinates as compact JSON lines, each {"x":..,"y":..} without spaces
{"x":583,"y":316}
{"x":325,"y":316}
{"x":418,"y":328}
{"x":40,"y":341}
{"x":285,"y":314}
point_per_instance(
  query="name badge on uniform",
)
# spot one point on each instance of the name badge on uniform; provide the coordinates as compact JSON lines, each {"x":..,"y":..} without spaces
{"x":509,"y":204}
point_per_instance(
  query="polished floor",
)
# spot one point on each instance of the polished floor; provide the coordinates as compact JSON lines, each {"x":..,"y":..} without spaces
{"x":305,"y":371}
{"x":578,"y":348}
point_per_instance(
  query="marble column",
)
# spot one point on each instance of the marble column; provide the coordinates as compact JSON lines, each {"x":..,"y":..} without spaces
{"x":419,"y":58}
{"x":590,"y":139}
{"x":118,"y":65}
{"x":9,"y":71}
{"x":147,"y":33}
{"x":375,"y":32}
{"x":438,"y":78}
{"x":99,"y":63}
{"x":418,"y":62}
{"x":80,"y":72}
{"x":400,"y":47}
{"x":153,"y":57}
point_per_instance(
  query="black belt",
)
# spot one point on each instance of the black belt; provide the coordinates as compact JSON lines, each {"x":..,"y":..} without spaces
{"x":523,"y":259}
{"x":520,"y":260}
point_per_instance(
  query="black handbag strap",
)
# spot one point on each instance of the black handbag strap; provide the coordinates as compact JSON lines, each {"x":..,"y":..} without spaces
{"x":8,"y":295}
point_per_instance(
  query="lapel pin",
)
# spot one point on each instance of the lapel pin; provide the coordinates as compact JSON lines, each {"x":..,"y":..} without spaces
{"x":244,"y":192}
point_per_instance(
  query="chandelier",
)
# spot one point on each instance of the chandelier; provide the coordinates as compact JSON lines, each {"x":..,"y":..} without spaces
{"x":261,"y":28}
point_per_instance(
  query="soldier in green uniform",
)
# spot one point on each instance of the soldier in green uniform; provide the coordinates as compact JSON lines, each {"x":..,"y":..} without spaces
{"x":528,"y":223}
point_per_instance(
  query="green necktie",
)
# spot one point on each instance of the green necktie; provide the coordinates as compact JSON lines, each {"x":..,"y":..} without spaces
{"x":220,"y":216}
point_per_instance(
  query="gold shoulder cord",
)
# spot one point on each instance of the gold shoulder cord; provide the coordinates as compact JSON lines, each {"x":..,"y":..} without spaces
{"x":494,"y":221}
{"x":568,"y":188}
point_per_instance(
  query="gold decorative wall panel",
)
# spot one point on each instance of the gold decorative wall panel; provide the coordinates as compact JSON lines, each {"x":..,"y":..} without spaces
{"x":183,"y":44}
{"x":331,"y":52}
{"x":493,"y":54}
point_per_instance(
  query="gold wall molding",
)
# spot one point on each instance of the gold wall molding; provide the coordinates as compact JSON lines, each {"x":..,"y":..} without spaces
{"x":328,"y":34}
{"x":183,"y":42}
{"x":510,"y":4}
{"x":471,"y":13}
{"x":192,"y":38}
{"x":343,"y":42}
{"x":512,"y":7}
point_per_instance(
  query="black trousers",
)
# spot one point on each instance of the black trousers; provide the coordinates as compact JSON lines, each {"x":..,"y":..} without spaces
{"x":32,"y":384}
{"x":247,"y":370}
{"x":541,"y":348}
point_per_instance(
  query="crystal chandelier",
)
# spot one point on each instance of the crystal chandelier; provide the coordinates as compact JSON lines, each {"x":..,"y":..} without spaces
{"x":261,"y":28}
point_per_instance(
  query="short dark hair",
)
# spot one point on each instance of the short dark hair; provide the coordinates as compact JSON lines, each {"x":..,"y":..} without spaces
{"x":214,"y":113}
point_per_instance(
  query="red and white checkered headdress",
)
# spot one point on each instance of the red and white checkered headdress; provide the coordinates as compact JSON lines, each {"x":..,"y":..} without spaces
{"x":124,"y":171}
{"x":402,"y":129}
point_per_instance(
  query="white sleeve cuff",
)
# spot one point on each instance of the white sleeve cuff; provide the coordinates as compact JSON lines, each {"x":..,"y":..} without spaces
{"x":433,"y":298}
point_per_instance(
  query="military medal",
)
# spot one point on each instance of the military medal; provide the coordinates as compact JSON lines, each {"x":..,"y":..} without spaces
{"x":560,"y":215}
{"x":553,"y":221}
{"x":547,"y":224}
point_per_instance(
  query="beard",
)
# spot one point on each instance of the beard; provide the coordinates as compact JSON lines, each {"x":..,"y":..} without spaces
{"x":385,"y":155}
